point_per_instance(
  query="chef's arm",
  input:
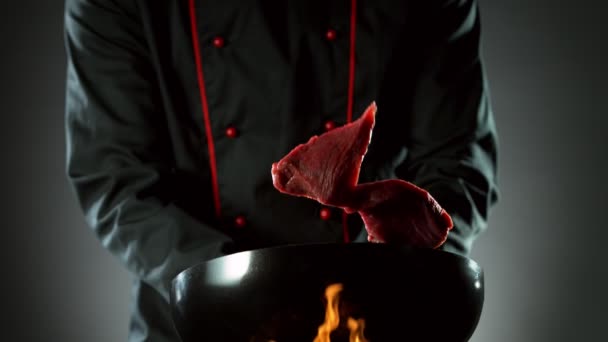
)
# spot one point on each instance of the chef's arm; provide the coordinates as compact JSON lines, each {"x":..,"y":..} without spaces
{"x":452,"y":140}
{"x":119,"y":157}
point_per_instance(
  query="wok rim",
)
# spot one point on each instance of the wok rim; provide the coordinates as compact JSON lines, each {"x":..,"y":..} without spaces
{"x":408,"y":250}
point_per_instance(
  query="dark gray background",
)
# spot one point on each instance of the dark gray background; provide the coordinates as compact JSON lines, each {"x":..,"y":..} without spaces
{"x":546,"y":274}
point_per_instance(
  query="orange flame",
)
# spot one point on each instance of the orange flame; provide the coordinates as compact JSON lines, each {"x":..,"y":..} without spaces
{"x":332,"y":318}
{"x":356,"y":327}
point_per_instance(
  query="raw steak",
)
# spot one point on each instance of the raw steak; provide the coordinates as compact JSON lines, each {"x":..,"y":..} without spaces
{"x":398,"y":211}
{"x":327,"y":168}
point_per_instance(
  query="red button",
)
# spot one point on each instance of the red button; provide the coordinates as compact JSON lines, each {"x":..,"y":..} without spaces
{"x":240,"y":221}
{"x":329,"y":125}
{"x":331,"y":35}
{"x":325,"y":214}
{"x":231,"y":132}
{"x":218,"y":42}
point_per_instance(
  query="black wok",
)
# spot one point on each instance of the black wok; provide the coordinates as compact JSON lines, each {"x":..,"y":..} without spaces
{"x":277,"y":294}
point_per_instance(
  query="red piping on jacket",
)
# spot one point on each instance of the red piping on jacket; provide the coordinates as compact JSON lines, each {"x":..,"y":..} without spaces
{"x":351,"y":89}
{"x":205,"y":108}
{"x":203,"y":94}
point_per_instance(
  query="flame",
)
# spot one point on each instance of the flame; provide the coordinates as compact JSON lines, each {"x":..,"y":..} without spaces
{"x":332,"y":318}
{"x":356,"y":327}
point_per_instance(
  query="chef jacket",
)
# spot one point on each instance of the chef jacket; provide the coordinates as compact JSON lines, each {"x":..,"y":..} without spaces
{"x":176,"y":110}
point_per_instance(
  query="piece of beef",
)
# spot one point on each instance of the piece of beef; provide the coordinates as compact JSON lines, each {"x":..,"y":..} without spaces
{"x":327,"y":168}
{"x":397,"y":211}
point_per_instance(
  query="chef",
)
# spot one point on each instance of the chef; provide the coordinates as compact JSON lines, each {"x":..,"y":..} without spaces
{"x":176,"y":110}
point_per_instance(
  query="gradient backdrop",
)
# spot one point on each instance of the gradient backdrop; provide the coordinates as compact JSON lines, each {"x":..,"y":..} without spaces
{"x":544,"y":252}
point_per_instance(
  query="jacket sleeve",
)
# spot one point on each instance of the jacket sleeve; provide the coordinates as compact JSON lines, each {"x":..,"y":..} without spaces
{"x":452,"y":139}
{"x":119,"y":158}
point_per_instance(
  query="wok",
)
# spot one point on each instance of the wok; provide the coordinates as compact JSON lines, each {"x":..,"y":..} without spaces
{"x":278,"y":294}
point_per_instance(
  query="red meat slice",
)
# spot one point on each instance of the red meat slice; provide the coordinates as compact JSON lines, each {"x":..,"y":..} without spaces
{"x":327,"y":168}
{"x":397,"y":211}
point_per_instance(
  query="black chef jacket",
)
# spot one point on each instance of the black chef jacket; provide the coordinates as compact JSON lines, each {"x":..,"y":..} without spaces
{"x":176,"y":110}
